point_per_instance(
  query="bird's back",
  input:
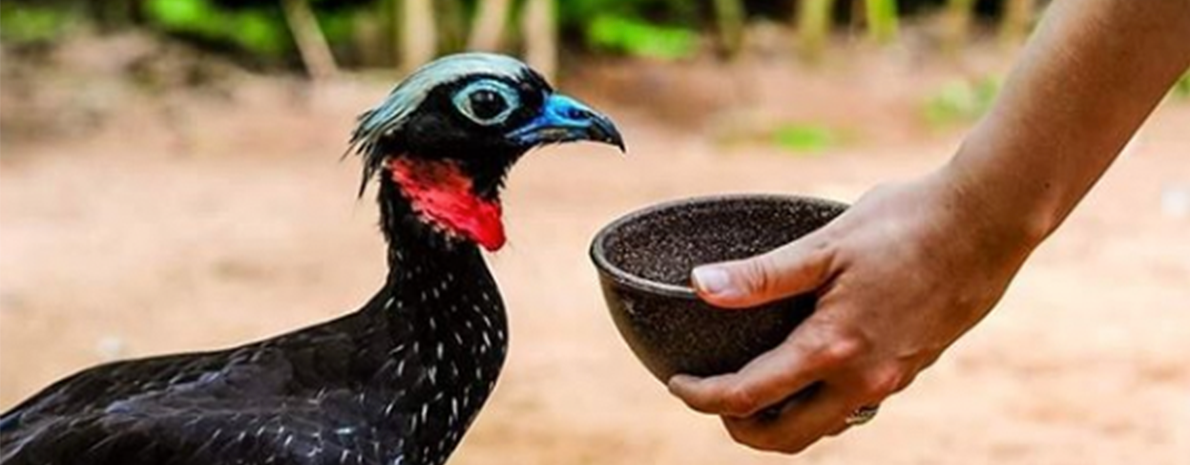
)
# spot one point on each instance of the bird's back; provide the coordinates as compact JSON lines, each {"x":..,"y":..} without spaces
{"x":294,"y":399}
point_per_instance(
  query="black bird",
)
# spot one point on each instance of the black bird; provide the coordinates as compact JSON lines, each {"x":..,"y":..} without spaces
{"x":396,"y":382}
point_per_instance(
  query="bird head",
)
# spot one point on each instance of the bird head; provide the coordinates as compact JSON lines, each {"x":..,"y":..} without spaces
{"x":449,"y":133}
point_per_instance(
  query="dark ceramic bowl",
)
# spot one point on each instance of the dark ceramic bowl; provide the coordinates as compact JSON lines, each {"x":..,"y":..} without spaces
{"x":644,"y":261}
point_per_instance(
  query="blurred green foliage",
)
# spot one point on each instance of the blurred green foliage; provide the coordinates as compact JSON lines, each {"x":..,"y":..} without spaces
{"x":802,"y":138}
{"x":576,"y":15}
{"x":35,"y":24}
{"x":259,"y":30}
{"x":639,"y":38}
{"x":1181,"y":89}
{"x":665,"y":29}
{"x":961,"y":102}
{"x":656,"y":28}
{"x":653,"y":28}
{"x":882,"y":19}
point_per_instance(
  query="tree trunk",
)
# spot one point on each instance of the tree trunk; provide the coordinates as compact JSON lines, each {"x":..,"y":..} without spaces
{"x":417,"y":32}
{"x":487,"y":33}
{"x":730,"y":19}
{"x":859,"y":15}
{"x":452,"y":26}
{"x":311,"y":44}
{"x":540,"y":30}
{"x":957,"y":25}
{"x":1017,"y":20}
{"x":813,"y":26}
{"x":370,"y":44}
{"x":881,"y":17}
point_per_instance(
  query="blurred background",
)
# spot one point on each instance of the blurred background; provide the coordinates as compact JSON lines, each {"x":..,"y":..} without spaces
{"x":171,"y":180}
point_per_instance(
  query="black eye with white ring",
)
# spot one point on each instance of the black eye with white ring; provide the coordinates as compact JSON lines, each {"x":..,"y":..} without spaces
{"x":487,"y":102}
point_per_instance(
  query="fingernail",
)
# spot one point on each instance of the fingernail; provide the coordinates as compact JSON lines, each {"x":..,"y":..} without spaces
{"x":713,"y":280}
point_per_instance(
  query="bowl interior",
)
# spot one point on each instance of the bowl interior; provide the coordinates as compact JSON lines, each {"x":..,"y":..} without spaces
{"x":655,"y":249}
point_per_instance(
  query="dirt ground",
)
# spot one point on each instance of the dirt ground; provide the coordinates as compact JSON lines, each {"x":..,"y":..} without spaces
{"x":217,"y":220}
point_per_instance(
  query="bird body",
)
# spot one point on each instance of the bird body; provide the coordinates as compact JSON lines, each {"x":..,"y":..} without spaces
{"x":396,"y":382}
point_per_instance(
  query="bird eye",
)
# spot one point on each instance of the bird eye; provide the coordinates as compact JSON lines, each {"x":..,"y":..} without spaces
{"x":487,"y":102}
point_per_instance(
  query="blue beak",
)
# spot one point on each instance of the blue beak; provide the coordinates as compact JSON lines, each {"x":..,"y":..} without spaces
{"x":564,"y":119}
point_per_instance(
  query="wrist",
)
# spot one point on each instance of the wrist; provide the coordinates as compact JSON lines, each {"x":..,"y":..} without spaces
{"x":990,"y":211}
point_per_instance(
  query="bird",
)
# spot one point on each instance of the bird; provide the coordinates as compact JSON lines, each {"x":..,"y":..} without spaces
{"x":397,"y":381}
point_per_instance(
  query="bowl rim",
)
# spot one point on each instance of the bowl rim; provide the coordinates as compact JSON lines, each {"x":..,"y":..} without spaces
{"x":598,"y":252}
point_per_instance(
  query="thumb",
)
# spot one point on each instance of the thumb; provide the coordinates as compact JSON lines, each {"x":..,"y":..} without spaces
{"x":795,"y":268}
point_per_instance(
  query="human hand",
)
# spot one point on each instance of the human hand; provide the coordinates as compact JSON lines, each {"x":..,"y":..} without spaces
{"x":899,"y":277}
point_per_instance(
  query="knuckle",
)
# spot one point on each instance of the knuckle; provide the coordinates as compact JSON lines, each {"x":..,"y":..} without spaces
{"x":884,"y":382}
{"x":839,"y":347}
{"x":739,"y":401}
{"x":758,"y":275}
{"x":824,"y":251}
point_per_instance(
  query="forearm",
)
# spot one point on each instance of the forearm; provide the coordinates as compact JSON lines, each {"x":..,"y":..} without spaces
{"x":1089,"y":77}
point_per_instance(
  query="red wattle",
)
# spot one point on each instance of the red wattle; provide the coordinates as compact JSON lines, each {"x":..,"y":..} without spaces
{"x":443,"y":194}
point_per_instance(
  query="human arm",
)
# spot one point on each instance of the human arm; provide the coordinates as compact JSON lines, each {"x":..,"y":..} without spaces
{"x":911,"y":267}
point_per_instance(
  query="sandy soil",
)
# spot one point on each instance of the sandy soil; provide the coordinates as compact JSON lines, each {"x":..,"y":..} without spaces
{"x":237,"y":221}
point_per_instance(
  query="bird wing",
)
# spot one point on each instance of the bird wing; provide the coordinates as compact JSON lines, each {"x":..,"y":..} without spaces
{"x":251,"y":410}
{"x":101,"y":385}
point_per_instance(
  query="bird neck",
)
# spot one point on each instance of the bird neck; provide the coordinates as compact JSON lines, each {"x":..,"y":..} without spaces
{"x":445,"y":196}
{"x":434,"y":271}
{"x":446,"y":329}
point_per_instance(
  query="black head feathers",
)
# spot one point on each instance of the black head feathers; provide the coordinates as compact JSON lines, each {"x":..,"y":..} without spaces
{"x":381,"y":132}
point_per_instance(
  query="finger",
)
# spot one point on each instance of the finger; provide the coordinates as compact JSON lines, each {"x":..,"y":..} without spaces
{"x":796,"y":268}
{"x":799,"y":426}
{"x":806,"y":357}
